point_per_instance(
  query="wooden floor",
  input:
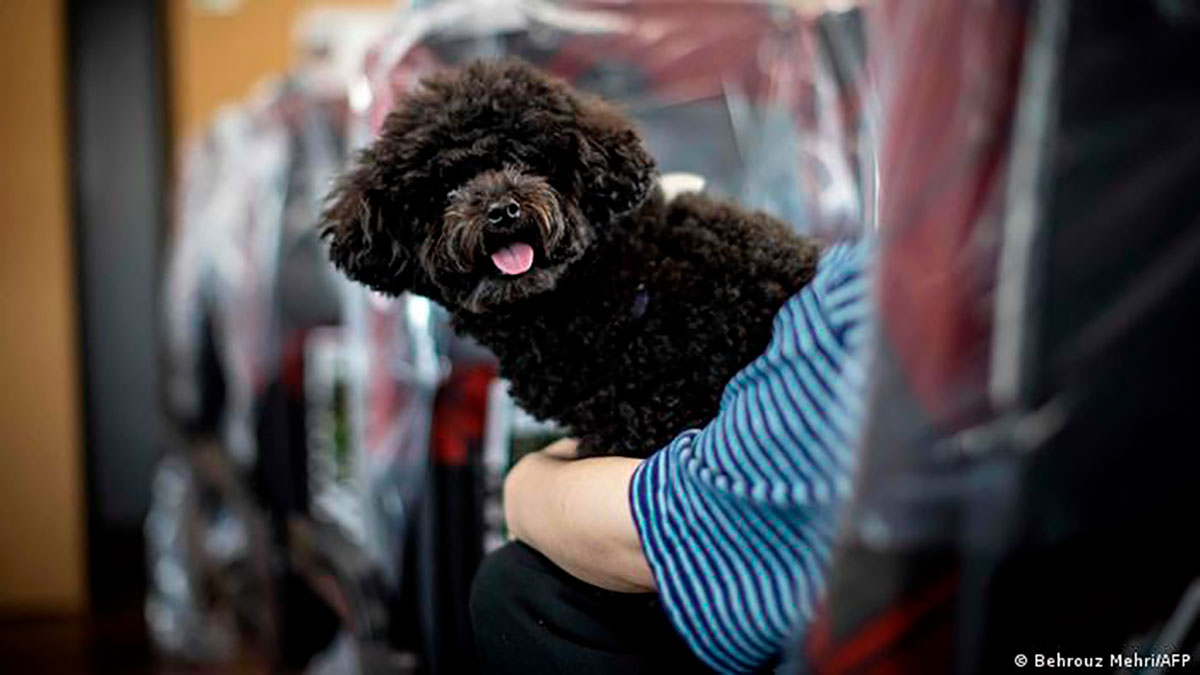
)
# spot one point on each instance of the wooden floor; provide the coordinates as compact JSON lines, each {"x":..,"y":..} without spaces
{"x":112,"y":644}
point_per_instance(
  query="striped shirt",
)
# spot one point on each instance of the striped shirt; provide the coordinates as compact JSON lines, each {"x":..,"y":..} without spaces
{"x":737,"y":519}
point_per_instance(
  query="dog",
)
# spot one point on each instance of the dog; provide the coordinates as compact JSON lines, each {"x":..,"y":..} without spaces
{"x":532,"y":213}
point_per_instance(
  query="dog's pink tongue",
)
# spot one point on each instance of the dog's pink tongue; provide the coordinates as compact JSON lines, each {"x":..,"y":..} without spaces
{"x":514,"y":259}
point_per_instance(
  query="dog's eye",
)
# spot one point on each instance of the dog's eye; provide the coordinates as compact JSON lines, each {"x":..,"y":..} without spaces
{"x":452,"y":195}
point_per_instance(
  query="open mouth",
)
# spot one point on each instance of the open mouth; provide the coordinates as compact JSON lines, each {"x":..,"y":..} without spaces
{"x":513,"y":252}
{"x":513,"y":259}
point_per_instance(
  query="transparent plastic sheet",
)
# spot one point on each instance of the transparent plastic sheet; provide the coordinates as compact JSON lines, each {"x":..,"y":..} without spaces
{"x":394,"y":372}
{"x":246,"y":280}
{"x":740,"y":93}
{"x":205,"y":208}
{"x":379,"y":492}
{"x":180,"y":620}
{"x":248,"y":193}
{"x":205,"y":560}
{"x":1028,"y":482}
{"x":222,"y":260}
{"x":212,"y":362}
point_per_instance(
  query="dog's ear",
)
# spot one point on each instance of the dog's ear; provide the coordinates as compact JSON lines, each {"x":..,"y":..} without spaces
{"x":363,"y":228}
{"x":615,"y":172}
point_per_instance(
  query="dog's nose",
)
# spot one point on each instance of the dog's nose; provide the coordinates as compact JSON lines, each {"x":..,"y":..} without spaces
{"x":502,"y":211}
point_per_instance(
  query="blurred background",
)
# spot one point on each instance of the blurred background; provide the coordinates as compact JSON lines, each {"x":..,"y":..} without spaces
{"x":215,"y":452}
{"x":217,"y":455}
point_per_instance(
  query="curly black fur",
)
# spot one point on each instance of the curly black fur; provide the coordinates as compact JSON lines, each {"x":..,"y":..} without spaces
{"x":635,"y":312}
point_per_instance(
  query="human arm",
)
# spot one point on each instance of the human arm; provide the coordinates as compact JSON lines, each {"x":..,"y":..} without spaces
{"x":576,"y":512}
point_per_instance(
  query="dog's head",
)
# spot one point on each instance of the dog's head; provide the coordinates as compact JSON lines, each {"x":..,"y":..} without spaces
{"x":484,"y":186}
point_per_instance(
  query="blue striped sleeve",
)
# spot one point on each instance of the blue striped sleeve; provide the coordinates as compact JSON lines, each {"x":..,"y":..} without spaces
{"x":737,"y":518}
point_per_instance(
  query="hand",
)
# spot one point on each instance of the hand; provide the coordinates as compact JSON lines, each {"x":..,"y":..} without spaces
{"x":576,"y":512}
{"x":564,"y":448}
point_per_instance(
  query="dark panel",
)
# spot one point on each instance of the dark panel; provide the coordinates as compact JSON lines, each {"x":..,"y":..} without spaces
{"x":118,"y":147}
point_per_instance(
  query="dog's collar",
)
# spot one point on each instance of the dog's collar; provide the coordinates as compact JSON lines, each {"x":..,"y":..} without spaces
{"x":641,"y":300}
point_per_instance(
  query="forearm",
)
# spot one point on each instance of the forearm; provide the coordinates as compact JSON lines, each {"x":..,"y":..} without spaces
{"x":576,"y":512}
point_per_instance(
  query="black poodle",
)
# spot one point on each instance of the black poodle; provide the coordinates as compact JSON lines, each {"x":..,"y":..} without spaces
{"x":532,"y":213}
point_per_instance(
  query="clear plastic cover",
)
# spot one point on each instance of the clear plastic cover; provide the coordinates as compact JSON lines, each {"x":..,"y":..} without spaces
{"x":757,"y":98}
{"x":245,"y":266}
{"x":1039,"y":259}
{"x":246,"y":280}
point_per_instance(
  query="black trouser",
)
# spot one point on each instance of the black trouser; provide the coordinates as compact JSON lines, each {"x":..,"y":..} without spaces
{"x":530,"y":616}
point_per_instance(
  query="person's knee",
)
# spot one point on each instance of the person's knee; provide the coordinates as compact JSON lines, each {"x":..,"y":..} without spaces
{"x":489,"y":582}
{"x":531,"y":616}
{"x":504,"y":608}
{"x":505,"y":578}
